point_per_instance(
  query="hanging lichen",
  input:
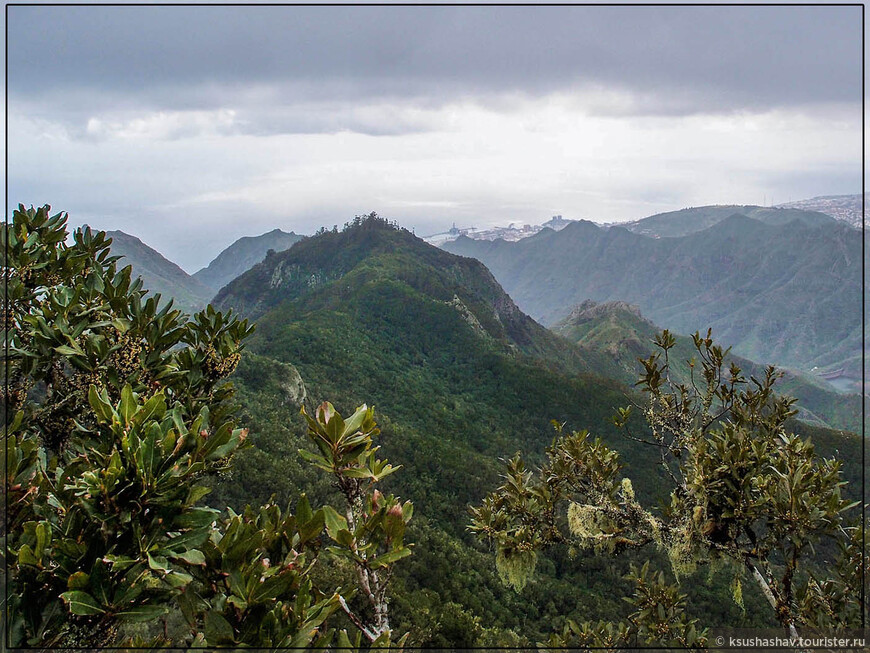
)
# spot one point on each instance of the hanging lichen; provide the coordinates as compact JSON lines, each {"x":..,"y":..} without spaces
{"x":515,"y":567}
{"x":627,"y":489}
{"x":737,"y":592}
{"x":682,"y":552}
{"x":587,"y":521}
{"x":593,"y":526}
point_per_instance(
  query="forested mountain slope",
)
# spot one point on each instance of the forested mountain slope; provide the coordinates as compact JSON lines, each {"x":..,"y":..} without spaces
{"x":620,"y":330}
{"x":159,"y":275}
{"x":788,"y":295}
{"x":460,"y":378}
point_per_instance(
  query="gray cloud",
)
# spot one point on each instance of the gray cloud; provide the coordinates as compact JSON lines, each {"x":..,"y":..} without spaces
{"x":674,"y":60}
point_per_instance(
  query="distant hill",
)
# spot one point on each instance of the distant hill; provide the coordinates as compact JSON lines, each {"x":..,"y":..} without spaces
{"x":687,"y":221}
{"x":376,"y":256}
{"x":242,"y":255}
{"x":848,"y":208}
{"x":620,"y":330}
{"x":160,"y":275}
{"x":789,"y":295}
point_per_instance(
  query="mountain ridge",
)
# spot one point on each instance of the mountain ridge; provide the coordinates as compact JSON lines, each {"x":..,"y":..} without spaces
{"x":694,"y":219}
{"x":159,"y":274}
{"x":242,"y":255}
{"x":786,"y":294}
{"x":373,"y":253}
{"x":621,"y":330}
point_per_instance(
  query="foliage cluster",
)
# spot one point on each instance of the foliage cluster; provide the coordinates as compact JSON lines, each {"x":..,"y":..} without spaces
{"x":745,"y":493}
{"x":119,"y":416}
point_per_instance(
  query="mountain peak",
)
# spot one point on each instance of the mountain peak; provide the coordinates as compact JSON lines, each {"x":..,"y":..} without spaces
{"x":588,"y":309}
{"x":382,"y":274}
{"x":242,"y":255}
{"x":582,"y":226}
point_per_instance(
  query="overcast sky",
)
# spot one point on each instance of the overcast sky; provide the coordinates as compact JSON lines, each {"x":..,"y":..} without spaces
{"x":192,"y":126}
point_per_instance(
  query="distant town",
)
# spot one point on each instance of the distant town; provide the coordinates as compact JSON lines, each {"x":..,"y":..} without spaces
{"x":512,"y":232}
{"x":847,"y":208}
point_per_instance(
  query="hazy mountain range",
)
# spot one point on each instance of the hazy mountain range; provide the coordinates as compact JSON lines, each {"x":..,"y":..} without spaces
{"x":159,"y":274}
{"x":787,"y":294}
{"x":193,"y":292}
{"x":608,"y":337}
{"x":779,"y":291}
{"x":242,"y":255}
{"x":691,"y":220}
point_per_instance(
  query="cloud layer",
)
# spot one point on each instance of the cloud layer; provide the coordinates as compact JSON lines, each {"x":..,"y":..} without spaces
{"x":192,"y":125}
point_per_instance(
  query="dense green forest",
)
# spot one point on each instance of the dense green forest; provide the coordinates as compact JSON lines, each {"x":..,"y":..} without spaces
{"x":373,"y":313}
{"x":461,"y":380}
{"x":620,"y":330}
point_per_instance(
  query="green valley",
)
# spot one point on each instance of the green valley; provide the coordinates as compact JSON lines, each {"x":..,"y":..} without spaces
{"x":620,"y":330}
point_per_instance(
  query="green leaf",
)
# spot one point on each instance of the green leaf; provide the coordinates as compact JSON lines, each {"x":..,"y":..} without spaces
{"x":355,"y":421}
{"x":357,"y":472}
{"x":103,"y":409}
{"x":196,"y":518}
{"x":26,"y":557}
{"x":192,"y":557}
{"x":320,"y":461}
{"x":119,"y":563}
{"x":128,"y":404}
{"x":303,"y":510}
{"x":335,"y":427}
{"x":383,"y":640}
{"x":334,"y":521}
{"x":100,"y":582}
{"x":177,"y":579}
{"x":158,"y":564}
{"x":188,"y":540}
{"x":195,"y":494}
{"x":343,"y":639}
{"x":311,"y":528}
{"x":64,"y":350}
{"x":217,"y":629}
{"x":344,"y":537}
{"x":78,"y":581}
{"x":81,"y":603}
{"x":390,"y":558}
{"x":140,"y":613}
